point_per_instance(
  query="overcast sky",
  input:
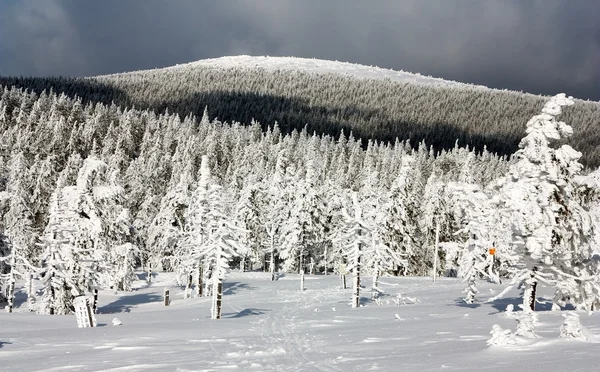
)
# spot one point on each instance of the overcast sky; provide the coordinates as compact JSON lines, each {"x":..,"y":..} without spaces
{"x":539,"y":46}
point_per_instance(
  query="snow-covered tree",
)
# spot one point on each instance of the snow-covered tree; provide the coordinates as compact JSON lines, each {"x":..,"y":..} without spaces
{"x":77,"y":239}
{"x":166,"y":229}
{"x":355,"y":237}
{"x":552,"y":232}
{"x":479,"y":227}
{"x":211,"y":234}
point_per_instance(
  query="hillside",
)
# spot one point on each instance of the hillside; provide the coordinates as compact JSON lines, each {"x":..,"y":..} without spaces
{"x":326,"y":97}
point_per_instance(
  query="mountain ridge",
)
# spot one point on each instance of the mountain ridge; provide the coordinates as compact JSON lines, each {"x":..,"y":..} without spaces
{"x":329,"y":97}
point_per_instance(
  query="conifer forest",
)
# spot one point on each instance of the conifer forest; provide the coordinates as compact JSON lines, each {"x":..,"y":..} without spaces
{"x":201,"y":171}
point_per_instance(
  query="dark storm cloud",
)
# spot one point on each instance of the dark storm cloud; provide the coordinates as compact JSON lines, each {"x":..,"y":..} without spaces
{"x":541,"y":46}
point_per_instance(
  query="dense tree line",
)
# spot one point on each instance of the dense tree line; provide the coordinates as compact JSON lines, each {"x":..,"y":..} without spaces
{"x":327,"y":103}
{"x":91,"y":191}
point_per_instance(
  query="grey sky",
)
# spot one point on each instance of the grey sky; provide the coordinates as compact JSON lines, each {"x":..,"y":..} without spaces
{"x":539,"y":46}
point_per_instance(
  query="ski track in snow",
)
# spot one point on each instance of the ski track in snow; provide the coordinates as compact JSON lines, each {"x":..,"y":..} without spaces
{"x":273,"y":326}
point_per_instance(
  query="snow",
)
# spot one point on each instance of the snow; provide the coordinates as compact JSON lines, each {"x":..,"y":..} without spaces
{"x":273,"y":326}
{"x":317,"y":65}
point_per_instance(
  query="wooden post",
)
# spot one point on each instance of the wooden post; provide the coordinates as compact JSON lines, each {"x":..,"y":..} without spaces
{"x":83,"y":311}
{"x":166,"y":296}
{"x":437,"y":243}
{"x":90,"y":314}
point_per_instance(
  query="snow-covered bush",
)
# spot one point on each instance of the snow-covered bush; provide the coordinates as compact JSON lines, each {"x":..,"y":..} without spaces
{"x":526,"y":322}
{"x":501,"y":337}
{"x":573,"y":329}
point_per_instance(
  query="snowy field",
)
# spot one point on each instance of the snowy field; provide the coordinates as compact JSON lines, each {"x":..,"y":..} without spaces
{"x":273,"y":326}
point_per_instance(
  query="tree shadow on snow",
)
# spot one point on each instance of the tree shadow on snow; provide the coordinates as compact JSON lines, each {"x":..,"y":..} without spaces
{"x":230,"y":288}
{"x":2,"y":343}
{"x":125,"y":303}
{"x":20,"y":298}
{"x":245,"y":312}
{"x":144,"y":277}
{"x":542,"y":304}
{"x":460,"y":302}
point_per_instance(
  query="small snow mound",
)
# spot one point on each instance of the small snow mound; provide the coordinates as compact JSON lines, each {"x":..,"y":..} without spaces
{"x":572,"y":328}
{"x":116,"y":322}
{"x":526,"y":324}
{"x":510,"y":311}
{"x":501,"y":337}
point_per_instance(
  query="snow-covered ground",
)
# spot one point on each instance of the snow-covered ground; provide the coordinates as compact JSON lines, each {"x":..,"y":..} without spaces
{"x":273,"y":326}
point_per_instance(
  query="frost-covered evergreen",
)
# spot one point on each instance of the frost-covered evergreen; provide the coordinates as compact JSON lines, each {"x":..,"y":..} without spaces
{"x":552,"y":231}
{"x":211,"y":235}
{"x":78,"y":238}
{"x":355,"y":237}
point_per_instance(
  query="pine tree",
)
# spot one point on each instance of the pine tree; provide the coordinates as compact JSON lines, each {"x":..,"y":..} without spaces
{"x":78,"y":237}
{"x":211,"y":234}
{"x":552,"y":232}
{"x":355,"y":237}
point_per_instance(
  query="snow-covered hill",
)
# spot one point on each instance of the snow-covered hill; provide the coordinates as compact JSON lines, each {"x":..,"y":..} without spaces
{"x":317,"y":65}
{"x":273,"y":326}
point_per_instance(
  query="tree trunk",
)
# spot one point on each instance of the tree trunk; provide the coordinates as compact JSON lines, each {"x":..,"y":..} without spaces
{"x":243,"y":264}
{"x":529,"y":292}
{"x":188,"y":286}
{"x":95,"y":307}
{"x":302,"y":281}
{"x":375,"y":291}
{"x":207,"y":276}
{"x":356,"y":285}
{"x":325,"y":259}
{"x":30,"y":293}
{"x":199,"y":279}
{"x":272,"y":265}
{"x":217,"y":299}
{"x":435,"y":251}
{"x":149,"y":272}
{"x":532,"y":299}
{"x":11,"y":293}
